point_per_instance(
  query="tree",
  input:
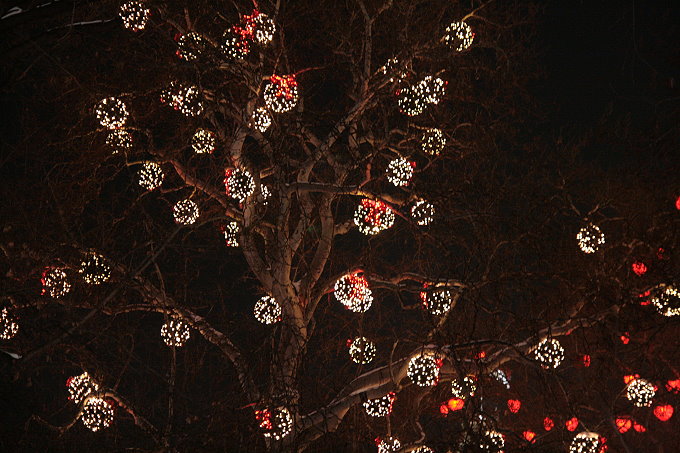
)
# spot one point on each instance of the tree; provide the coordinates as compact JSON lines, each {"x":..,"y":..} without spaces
{"x":359,"y":178}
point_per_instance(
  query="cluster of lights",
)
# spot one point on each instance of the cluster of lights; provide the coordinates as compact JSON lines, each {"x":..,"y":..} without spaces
{"x":422,"y":212}
{"x":388,"y":445}
{"x":231,"y":231}
{"x":586,"y":442}
{"x":459,"y":36}
{"x":55,"y":282}
{"x":8,"y":325}
{"x":437,"y":302}
{"x":667,"y":302}
{"x":94,"y":269}
{"x":380,"y":407}
{"x":590,"y":238}
{"x":134,"y":14}
{"x":275,"y":423}
{"x":433,"y":141}
{"x":265,"y":193}
{"x":233,"y":47}
{"x":261,"y":119}
{"x":413,"y":99}
{"x":492,"y":441}
{"x":175,"y":332}
{"x":422,"y":449}
{"x":185,"y":99}
{"x":281,"y":93}
{"x":262,"y":25}
{"x":464,"y":388}
{"x":393,"y":69}
{"x":549,"y":353}
{"x":423,"y":369}
{"x":185,"y":212}
{"x":80,"y":387}
{"x":353,"y":292}
{"x":203,"y":141}
{"x":640,"y":392}
{"x":362,"y":350}
{"x":400,"y":171}
{"x":267,"y":310}
{"x":238,"y":184}
{"x":500,"y":376}
{"x":190,"y":46}
{"x":373,"y":216}
{"x":256,"y":28}
{"x":150,"y":175}
{"x":119,"y":140}
{"x":112,"y":113}
{"x":97,"y":413}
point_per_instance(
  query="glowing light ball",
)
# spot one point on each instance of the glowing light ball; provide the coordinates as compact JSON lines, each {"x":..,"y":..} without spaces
{"x":437,"y":302}
{"x":275,"y":423}
{"x":185,"y":99}
{"x":362,"y":350}
{"x":422,"y":213}
{"x":668,"y":301}
{"x":380,"y":407}
{"x":80,"y":387}
{"x":400,"y":171}
{"x":388,"y":445}
{"x":97,"y":413}
{"x":514,"y":406}
{"x":433,"y":141}
{"x":423,"y":369}
{"x":422,"y":449}
{"x":464,"y":388}
{"x":585,"y":442}
{"x":119,"y":140}
{"x":394,"y":70}
{"x":353,"y":292}
{"x":238,"y":184}
{"x":590,"y":238}
{"x":112,"y":113}
{"x":203,"y":141}
{"x":150,"y":175}
{"x":459,"y":36}
{"x":501,"y":377}
{"x":663,"y":412}
{"x":572,"y":424}
{"x":233,"y":46}
{"x":8,"y":325}
{"x":281,"y":93}
{"x":267,"y":310}
{"x":231,"y":231}
{"x":55,"y":282}
{"x":373,"y":216}
{"x":94,"y":269}
{"x":640,"y":392}
{"x":549,"y":353}
{"x":411,"y":101}
{"x":264,"y":28}
{"x":190,"y":46}
{"x":175,"y":332}
{"x":185,"y":212}
{"x":639,"y":268}
{"x":261,"y":119}
{"x":134,"y":14}
{"x":492,"y":441}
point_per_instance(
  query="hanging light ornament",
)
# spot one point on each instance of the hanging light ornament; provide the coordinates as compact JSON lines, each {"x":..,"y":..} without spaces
{"x":111,"y":113}
{"x":239,"y":184}
{"x":640,"y":392}
{"x":261,"y":119}
{"x":80,"y":387}
{"x":8,"y":325}
{"x":590,"y":238}
{"x":97,"y":413}
{"x":185,"y":99}
{"x":465,"y":388}
{"x":264,"y":28}
{"x":437,"y":302}
{"x":373,"y":216}
{"x":459,"y":36}
{"x":353,"y":292}
{"x":150,"y":175}
{"x":55,"y":282}
{"x":362,"y":350}
{"x":492,"y":441}
{"x":281,"y":93}
{"x":422,"y":213}
{"x":203,"y":141}
{"x":433,"y":141}
{"x":119,"y":140}
{"x":399,"y":171}
{"x":275,"y":423}
{"x":94,"y":269}
{"x":233,"y":46}
{"x":380,"y":407}
{"x":267,"y":310}
{"x":549,"y":353}
{"x":388,"y":445}
{"x":423,"y":369}
{"x":586,"y":442}
{"x":413,"y":99}
{"x":185,"y":212}
{"x":175,"y":332}
{"x":190,"y":46}
{"x":134,"y":14}
{"x":667,"y":302}
{"x":231,"y":231}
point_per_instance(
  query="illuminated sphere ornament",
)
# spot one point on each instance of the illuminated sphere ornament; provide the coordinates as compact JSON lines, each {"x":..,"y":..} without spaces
{"x":492,"y":441}
{"x":264,"y":29}
{"x":423,"y":369}
{"x":362,"y":350}
{"x":437,"y":302}
{"x":388,"y":445}
{"x":150,"y":175}
{"x":55,"y":282}
{"x":500,"y":376}
{"x":281,"y":93}
{"x":380,"y":407}
{"x":353,"y":292}
{"x":275,"y":423}
{"x":112,"y":113}
{"x":233,"y":47}
{"x":185,"y":212}
{"x":640,"y":392}
{"x":175,"y":332}
{"x":585,"y":442}
{"x":238,"y":184}
{"x":373,"y":216}
{"x":400,"y":171}
{"x":119,"y":140}
{"x":590,"y":238}
{"x":185,"y":99}
{"x":267,"y":310}
{"x":80,"y":387}
{"x":422,"y":213}
{"x":261,"y":119}
{"x":433,"y":141}
{"x":464,"y":388}
{"x":203,"y":141}
{"x":231,"y":231}
{"x":190,"y":46}
{"x":414,"y":99}
{"x":459,"y":36}
{"x":8,"y":325}
{"x":94,"y":269}
{"x":549,"y":353}
{"x":667,"y":302}
{"x":134,"y":14}
{"x":97,"y":413}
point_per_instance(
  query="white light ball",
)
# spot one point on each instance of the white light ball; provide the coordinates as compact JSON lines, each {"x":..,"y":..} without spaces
{"x":362,"y":350}
{"x":437,"y":301}
{"x":281,"y":93}
{"x":640,"y":392}
{"x":275,"y":423}
{"x":667,"y":302}
{"x":8,"y":325}
{"x":264,"y":29}
{"x":94,"y":269}
{"x":590,"y":238}
{"x":185,"y":99}
{"x":231,"y":231}
{"x":134,"y":14}
{"x":175,"y":332}
{"x":422,"y":213}
{"x":267,"y":310}
{"x":389,"y":445}
{"x":261,"y":119}
{"x":191,"y":46}
{"x":585,"y":442}
{"x":150,"y":175}
{"x":380,"y":407}
{"x":233,"y":46}
{"x":239,"y":184}
{"x":119,"y":140}
{"x":399,"y":172}
{"x":97,"y":413}
{"x":433,"y":141}
{"x":185,"y":212}
{"x":203,"y":141}
{"x":353,"y":292}
{"x":373,"y":216}
{"x":80,"y":387}
{"x":464,"y":388}
{"x":423,"y":369}
{"x":55,"y":282}
{"x":549,"y":353}
{"x":459,"y":36}
{"x":492,"y":441}
{"x":112,"y":113}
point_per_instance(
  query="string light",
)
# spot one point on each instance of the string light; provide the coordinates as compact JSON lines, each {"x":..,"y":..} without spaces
{"x":185,"y":212}
{"x":433,"y":141}
{"x":640,"y":392}
{"x":276,"y":423}
{"x":667,"y":302}
{"x":281,"y":93}
{"x":55,"y":282}
{"x":112,"y":113}
{"x":94,"y":269}
{"x":134,"y":14}
{"x":380,"y":407}
{"x":239,"y":184}
{"x":190,"y":46}
{"x":422,"y":449}
{"x":465,"y":388}
{"x":175,"y":332}
{"x":185,"y":99}
{"x":80,"y":387}
{"x":399,"y":171}
{"x":437,"y":302}
{"x":97,"y":413}
{"x":231,"y":231}
{"x":150,"y":175}
{"x":423,"y":369}
{"x":500,"y":376}
{"x":203,"y":141}
{"x":590,"y":238}
{"x":373,"y":216}
{"x":261,"y":119}
{"x":8,"y":325}
{"x":492,"y":441}
{"x":353,"y":292}
{"x":392,"y":68}
{"x":422,"y":212}
{"x":388,"y":445}
{"x":549,"y":353}
{"x":265,"y":193}
{"x":459,"y":36}
{"x":267,"y":310}
{"x":362,"y":350}
{"x":119,"y":140}
{"x":585,"y":442}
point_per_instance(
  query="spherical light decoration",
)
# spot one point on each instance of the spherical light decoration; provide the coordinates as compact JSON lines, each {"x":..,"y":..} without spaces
{"x":667,"y":302}
{"x":362,"y":350}
{"x":464,"y":388}
{"x":373,"y":216}
{"x":94,"y":269}
{"x":264,"y":29}
{"x":433,"y":89}
{"x":80,"y":387}
{"x":185,"y":99}
{"x":185,"y":212}
{"x":281,"y":93}
{"x":388,"y":445}
{"x":585,"y":442}
{"x":414,"y":99}
{"x":590,"y":238}
{"x":380,"y":407}
{"x":422,"y":449}
{"x":433,"y":141}
{"x":275,"y":423}
{"x":231,"y":231}
{"x":190,"y":46}
{"x":423,"y":369}
{"x":400,"y":171}
{"x":640,"y":392}
{"x":267,"y":310}
{"x":97,"y":413}
{"x":134,"y":14}
{"x":261,"y":119}
{"x":238,"y":184}
{"x":437,"y":302}
{"x":422,"y":212}
{"x":203,"y":141}
{"x":119,"y":140}
{"x":150,"y":175}
{"x":353,"y":292}
{"x":55,"y":282}
{"x":549,"y":353}
{"x":492,"y":441}
{"x":8,"y":325}
{"x":175,"y":332}
{"x":459,"y":36}
{"x":112,"y":113}
{"x":233,"y":47}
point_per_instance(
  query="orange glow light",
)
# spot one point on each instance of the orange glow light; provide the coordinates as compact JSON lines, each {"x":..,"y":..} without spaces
{"x":572,"y":424}
{"x":663,"y":413}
